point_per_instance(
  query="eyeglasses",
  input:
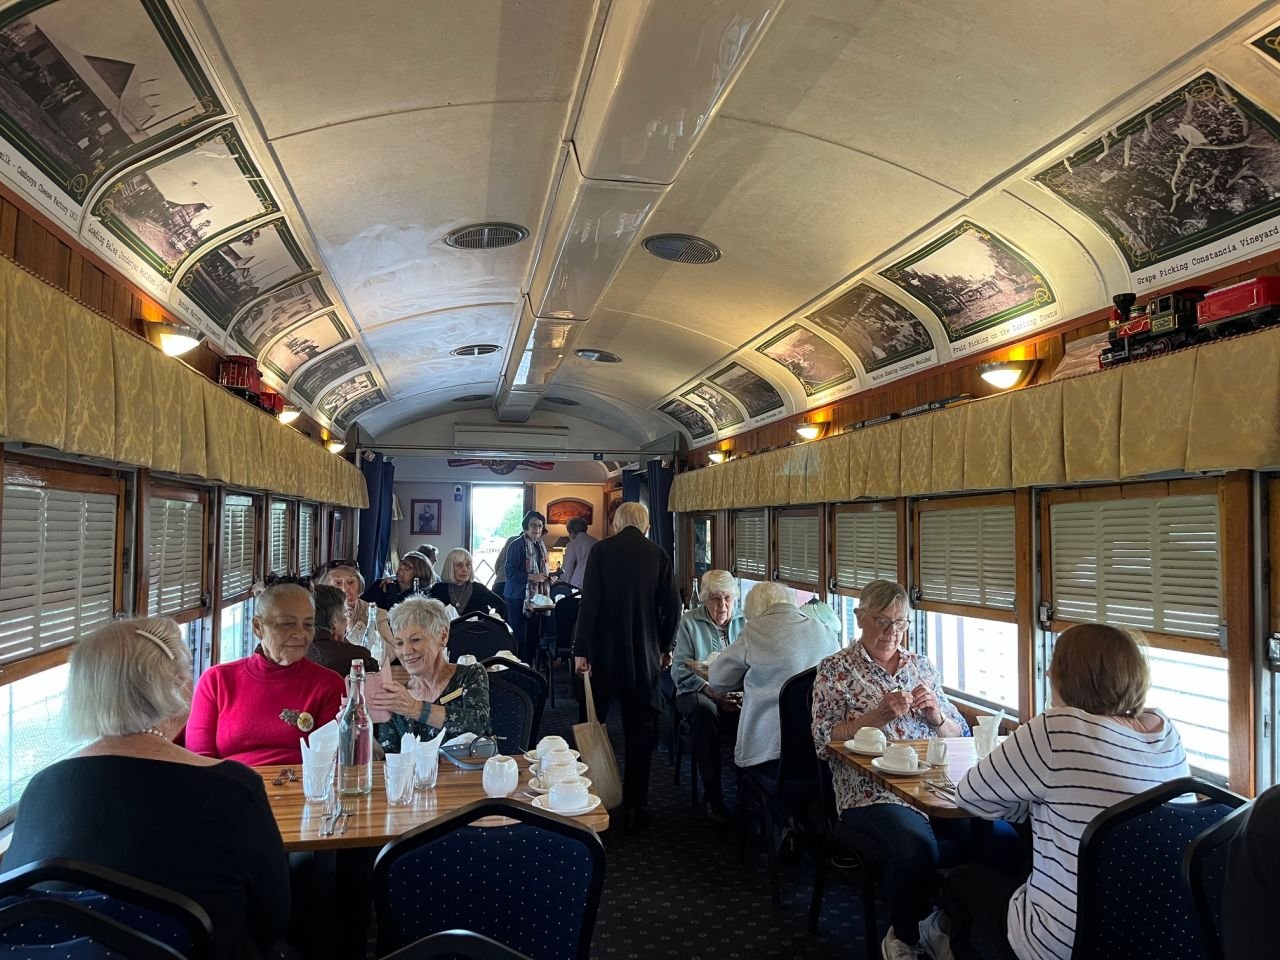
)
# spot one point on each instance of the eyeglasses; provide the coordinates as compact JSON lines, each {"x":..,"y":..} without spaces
{"x":884,"y":623}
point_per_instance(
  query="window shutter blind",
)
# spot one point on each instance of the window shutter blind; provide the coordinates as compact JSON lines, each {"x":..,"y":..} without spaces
{"x":57,"y":580}
{"x":966,"y":556}
{"x":176,"y":567}
{"x":306,"y":530}
{"x":798,"y":549}
{"x":278,"y":556}
{"x":750,"y":550}
{"x":866,"y":548}
{"x":237,"y":546}
{"x":1147,"y":564}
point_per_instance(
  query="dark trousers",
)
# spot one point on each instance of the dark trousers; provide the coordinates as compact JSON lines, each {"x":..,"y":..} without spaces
{"x":977,"y":901}
{"x":519,"y":624}
{"x":704,"y":731}
{"x":640,"y":736}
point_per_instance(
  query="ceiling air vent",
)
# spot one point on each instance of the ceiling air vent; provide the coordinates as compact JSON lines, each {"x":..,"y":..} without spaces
{"x":486,"y":236}
{"x":682,"y":248}
{"x":599,"y":356}
{"x":476,"y":350}
{"x":472,"y":398}
{"x":562,"y":401}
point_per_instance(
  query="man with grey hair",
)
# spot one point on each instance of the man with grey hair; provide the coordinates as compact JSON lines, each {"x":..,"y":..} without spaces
{"x":574,"y":565}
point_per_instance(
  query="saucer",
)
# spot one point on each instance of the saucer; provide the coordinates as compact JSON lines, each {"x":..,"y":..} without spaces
{"x":592,"y":802}
{"x":883,"y":767}
{"x":535,"y":785}
{"x":532,"y":756}
{"x":582,"y":768}
{"x":854,"y":748}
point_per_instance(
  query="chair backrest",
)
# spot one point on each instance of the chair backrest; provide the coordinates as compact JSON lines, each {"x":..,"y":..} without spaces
{"x":510,"y":714}
{"x":566,"y":615}
{"x":479,"y":635}
{"x":531,"y":682}
{"x":533,"y":885}
{"x":1131,"y":901}
{"x":564,"y":590}
{"x":455,"y":945}
{"x":1204,"y":869}
{"x":33,"y":928}
{"x":797,"y":761}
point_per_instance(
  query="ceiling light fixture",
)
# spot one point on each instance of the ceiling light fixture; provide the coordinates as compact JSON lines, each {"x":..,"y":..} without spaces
{"x":175,"y":339}
{"x":809,"y":431}
{"x":716,"y":456}
{"x":1004,"y":374}
{"x":336,"y":446}
{"x":289,"y":414}
{"x":598,"y":356}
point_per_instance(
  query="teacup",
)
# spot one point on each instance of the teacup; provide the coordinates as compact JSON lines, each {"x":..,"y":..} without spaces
{"x":568,"y":794}
{"x":557,"y":772}
{"x":547,"y":744}
{"x":901,"y":756}
{"x":936,"y":754}
{"x":552,"y":757}
{"x":467,"y":660}
{"x":869,"y":738}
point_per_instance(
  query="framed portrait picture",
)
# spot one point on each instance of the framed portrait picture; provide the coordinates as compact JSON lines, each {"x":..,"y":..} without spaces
{"x":424,"y":518}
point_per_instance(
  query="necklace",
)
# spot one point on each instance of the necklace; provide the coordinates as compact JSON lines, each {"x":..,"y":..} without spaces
{"x":154,"y":732}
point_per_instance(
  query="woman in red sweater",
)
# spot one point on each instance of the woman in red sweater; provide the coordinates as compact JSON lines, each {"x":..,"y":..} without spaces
{"x":254,"y":710}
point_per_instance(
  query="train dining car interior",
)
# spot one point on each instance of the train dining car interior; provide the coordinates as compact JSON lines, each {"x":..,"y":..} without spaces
{"x":639,"y":478}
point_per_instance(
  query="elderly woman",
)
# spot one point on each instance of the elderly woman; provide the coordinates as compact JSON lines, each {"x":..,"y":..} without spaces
{"x":254,"y":710}
{"x":704,"y":631}
{"x":414,"y":570}
{"x":526,"y":577}
{"x":457,"y":587}
{"x":439,"y":695}
{"x":329,"y":648}
{"x":344,"y":575}
{"x":777,"y":643}
{"x":135,"y":802}
{"x":878,"y":682}
{"x":1099,"y":744}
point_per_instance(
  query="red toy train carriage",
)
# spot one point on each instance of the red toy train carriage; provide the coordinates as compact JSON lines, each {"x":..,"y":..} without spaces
{"x":242,"y":377}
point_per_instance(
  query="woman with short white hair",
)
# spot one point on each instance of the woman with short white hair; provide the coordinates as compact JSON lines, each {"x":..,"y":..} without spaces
{"x":439,"y":695}
{"x":346,"y":576}
{"x":134,"y":801}
{"x":459,"y":589}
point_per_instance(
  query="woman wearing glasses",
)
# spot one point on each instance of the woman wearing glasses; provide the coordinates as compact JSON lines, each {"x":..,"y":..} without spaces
{"x":344,"y":575}
{"x":878,"y":682}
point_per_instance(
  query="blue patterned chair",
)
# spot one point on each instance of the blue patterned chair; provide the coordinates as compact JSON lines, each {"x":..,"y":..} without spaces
{"x":530,"y":681}
{"x":510,"y":714}
{"x":533,"y":885}
{"x":1133,"y":903}
{"x":1204,"y":870}
{"x":479,"y":635}
{"x":455,"y":945}
{"x":850,"y":853}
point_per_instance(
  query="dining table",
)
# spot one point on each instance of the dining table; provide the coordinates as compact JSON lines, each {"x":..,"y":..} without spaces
{"x":373,"y":821}
{"x":925,"y":789}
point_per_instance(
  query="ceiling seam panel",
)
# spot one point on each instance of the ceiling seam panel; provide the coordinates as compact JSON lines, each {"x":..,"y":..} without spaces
{"x":409,"y":111}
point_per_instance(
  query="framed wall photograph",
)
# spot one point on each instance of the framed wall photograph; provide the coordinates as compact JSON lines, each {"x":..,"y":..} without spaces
{"x":424,"y":518}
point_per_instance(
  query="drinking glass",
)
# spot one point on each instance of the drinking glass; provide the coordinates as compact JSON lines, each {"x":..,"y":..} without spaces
{"x":984,"y":739}
{"x":426,"y":764}
{"x":398,"y":777}
{"x":317,"y":777}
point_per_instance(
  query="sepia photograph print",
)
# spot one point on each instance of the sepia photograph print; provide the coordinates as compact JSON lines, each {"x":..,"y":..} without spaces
{"x":345,"y":392}
{"x":1198,"y":166}
{"x":753,"y":391}
{"x":332,"y":367}
{"x":265,"y":320}
{"x":714,"y":401}
{"x":304,"y":343}
{"x":692,"y":420}
{"x":971,"y":280}
{"x":362,"y":404}
{"x":878,"y":330}
{"x":165,"y":209}
{"x":228,"y":277}
{"x":1268,"y":44}
{"x":82,"y":93}
{"x":815,"y":363}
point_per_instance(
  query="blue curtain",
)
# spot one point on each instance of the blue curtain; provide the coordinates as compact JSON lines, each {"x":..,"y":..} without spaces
{"x":631,"y":486}
{"x":661,"y":528}
{"x":375,"y":522}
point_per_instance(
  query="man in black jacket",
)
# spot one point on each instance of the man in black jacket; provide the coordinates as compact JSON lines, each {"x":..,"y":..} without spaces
{"x":625,"y":634}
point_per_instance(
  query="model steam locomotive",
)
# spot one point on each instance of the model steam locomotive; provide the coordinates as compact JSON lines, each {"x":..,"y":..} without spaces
{"x":1187,"y":317}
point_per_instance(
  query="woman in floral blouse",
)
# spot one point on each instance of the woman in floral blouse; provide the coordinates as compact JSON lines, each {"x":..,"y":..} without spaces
{"x":877,"y":682}
{"x":439,"y":694}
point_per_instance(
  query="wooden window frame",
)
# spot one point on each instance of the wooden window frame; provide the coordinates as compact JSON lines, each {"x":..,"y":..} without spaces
{"x":316,"y":510}
{"x":260,"y":534}
{"x":290,"y":535}
{"x":687,"y":572}
{"x":818,"y":513}
{"x":897,"y":507}
{"x":1273,"y":554}
{"x":732,"y":565}
{"x":975,"y":502}
{"x":148,"y":488}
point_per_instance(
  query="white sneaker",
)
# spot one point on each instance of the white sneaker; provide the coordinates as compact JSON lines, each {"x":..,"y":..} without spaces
{"x":894,"y":949}
{"x":934,"y":940}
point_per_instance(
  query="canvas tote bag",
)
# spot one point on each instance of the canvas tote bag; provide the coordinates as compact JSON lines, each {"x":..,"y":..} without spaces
{"x":597,"y":753}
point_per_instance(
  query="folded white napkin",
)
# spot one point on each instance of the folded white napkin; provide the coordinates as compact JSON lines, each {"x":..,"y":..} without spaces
{"x":324,"y":739}
{"x":459,"y":739}
{"x":408,"y":744}
{"x":425,"y":755}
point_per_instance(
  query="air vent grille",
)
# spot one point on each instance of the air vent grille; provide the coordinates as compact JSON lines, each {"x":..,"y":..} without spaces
{"x":486,"y":236}
{"x":682,"y":248}
{"x":472,"y":398}
{"x":599,"y":356}
{"x":476,"y":350}
{"x":562,"y":401}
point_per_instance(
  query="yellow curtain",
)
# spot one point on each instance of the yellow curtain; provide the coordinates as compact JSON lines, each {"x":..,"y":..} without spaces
{"x":35,"y":360}
{"x":91,"y":388}
{"x":797,"y":470}
{"x":135,"y":398}
{"x":219,"y":440}
{"x":167,"y":375}
{"x":988,"y":450}
{"x":884,"y":460}
{"x":917,"y":456}
{"x":1035,"y":426}
{"x":774,"y":485}
{"x":190,"y":415}
{"x":948,"y":448}
{"x":859,"y":448}
{"x":1235,"y":405}
{"x":1155,"y":413}
{"x":1091,"y":426}
{"x":744,"y":483}
{"x":676,"y":498}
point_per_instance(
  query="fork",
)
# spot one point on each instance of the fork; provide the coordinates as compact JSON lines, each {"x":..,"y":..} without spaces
{"x":285,"y":775}
{"x":326,"y":828}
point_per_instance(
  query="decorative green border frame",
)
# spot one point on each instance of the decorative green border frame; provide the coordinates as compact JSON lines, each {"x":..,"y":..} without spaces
{"x":871,"y":364}
{"x":821,"y":387}
{"x":309,"y":384}
{"x":104,"y":209}
{"x":674,"y":401}
{"x":238,"y":322}
{"x":733,"y":404}
{"x":332,"y":315}
{"x":77,"y":186}
{"x":1268,"y":44}
{"x":1202,"y":87}
{"x":361,"y":404}
{"x":321,"y":403}
{"x":765,"y":380}
{"x":281,"y":226}
{"x":1041,"y":297}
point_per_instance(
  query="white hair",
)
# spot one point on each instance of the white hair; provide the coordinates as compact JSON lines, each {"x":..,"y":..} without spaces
{"x":419,"y":611}
{"x":347,"y":567}
{"x":128,"y":676}
{"x":765,"y":595}
{"x":718,"y":581}
{"x":266,"y":601}
{"x":881,"y":595}
{"x":631,"y":514}
{"x":450,"y":558}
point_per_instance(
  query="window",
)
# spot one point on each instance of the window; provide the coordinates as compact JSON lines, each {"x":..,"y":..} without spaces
{"x":966,"y":556}
{"x":799,"y":552}
{"x":750,"y":546}
{"x":32,"y":732}
{"x":278,"y":547}
{"x":176,"y":556}
{"x":238,"y":530}
{"x":235,"y":632}
{"x":1192,"y":689}
{"x":976,"y":656}
{"x":866,"y":545}
{"x":306,"y":539}
{"x":702,"y":544}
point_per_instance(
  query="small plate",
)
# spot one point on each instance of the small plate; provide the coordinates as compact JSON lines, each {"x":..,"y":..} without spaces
{"x":849,"y":745}
{"x":535,"y":785}
{"x":883,"y":767}
{"x":532,"y":756}
{"x":592,"y":802}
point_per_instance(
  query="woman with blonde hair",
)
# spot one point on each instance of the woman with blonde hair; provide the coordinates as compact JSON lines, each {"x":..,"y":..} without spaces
{"x":459,"y":589}
{"x":134,"y":801}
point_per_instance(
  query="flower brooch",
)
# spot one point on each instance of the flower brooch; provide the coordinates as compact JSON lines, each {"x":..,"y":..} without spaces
{"x":298,"y":718}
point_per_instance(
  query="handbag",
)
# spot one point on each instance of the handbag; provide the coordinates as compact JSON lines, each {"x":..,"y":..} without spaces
{"x":592,"y":740}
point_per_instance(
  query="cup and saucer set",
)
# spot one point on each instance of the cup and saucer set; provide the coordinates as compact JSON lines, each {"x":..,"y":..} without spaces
{"x":899,"y":759}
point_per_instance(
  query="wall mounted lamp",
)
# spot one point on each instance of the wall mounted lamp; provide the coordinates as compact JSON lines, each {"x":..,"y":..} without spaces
{"x":336,"y":446}
{"x":175,"y":339}
{"x":1005,"y":374}
{"x":289,"y":414}
{"x":716,"y":456}
{"x":809,"y":431}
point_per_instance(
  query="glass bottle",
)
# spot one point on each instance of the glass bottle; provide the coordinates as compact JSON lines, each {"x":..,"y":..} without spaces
{"x":416,"y":589}
{"x":695,"y":598}
{"x":372,"y":638}
{"x":355,"y":738}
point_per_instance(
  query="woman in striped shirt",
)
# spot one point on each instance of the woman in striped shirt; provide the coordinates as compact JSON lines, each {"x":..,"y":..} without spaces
{"x":1061,"y":769}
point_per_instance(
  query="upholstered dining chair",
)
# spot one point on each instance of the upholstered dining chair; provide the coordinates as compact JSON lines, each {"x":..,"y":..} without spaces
{"x":479,"y":635}
{"x":510,"y":714}
{"x":455,"y":945}
{"x":1204,"y":870}
{"x":530,"y":681}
